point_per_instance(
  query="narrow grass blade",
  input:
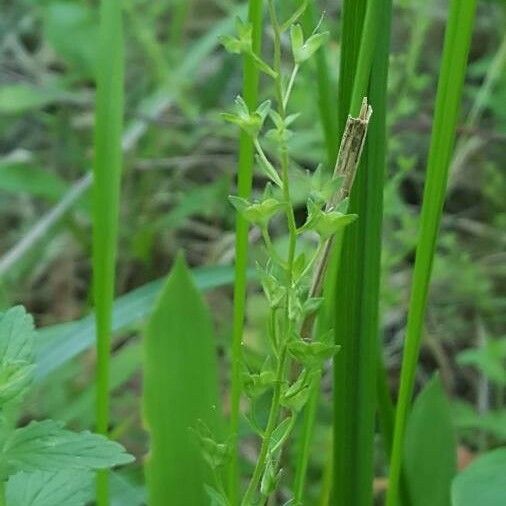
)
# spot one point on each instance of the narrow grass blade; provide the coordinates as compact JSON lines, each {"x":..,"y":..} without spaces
{"x":453,"y":66}
{"x":430,"y":453}
{"x":351,"y":33}
{"x":244,"y":181}
{"x":327,"y":93}
{"x":107,"y":174}
{"x":357,"y":288}
{"x":180,"y":391}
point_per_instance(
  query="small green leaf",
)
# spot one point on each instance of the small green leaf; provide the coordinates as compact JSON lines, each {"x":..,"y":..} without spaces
{"x":216,"y":454}
{"x":240,"y":44}
{"x":256,"y":384}
{"x":281,"y":434}
{"x":251,"y":123}
{"x":61,"y":488}
{"x":269,"y":170}
{"x":482,"y":483}
{"x":301,"y":50}
{"x":217,"y":499}
{"x":47,"y":446}
{"x":231,"y":44}
{"x":296,"y":395}
{"x":297,"y":40}
{"x":323,"y":186}
{"x":325,"y":223}
{"x":274,"y":291}
{"x":312,"y":353}
{"x":257,"y":213}
{"x":270,"y":477}
{"x":263,"y":66}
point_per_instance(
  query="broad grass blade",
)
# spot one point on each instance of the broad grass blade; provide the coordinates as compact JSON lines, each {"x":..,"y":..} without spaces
{"x":180,"y":391}
{"x":430,"y":448}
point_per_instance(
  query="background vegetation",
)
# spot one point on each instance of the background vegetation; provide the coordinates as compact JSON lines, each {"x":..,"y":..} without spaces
{"x":179,"y":165}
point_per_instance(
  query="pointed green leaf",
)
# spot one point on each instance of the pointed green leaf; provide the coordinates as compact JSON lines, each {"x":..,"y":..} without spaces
{"x":281,"y":433}
{"x":180,"y":389}
{"x":430,"y":448}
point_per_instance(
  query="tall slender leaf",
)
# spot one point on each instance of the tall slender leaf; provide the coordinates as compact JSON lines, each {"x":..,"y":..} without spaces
{"x":107,"y":174}
{"x":357,"y":287}
{"x":327,"y":93}
{"x":451,"y":79}
{"x":180,"y":391}
{"x":244,"y":182}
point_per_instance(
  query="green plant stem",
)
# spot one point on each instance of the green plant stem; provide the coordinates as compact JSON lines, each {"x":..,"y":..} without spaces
{"x":290,"y":85}
{"x":107,"y":176}
{"x":271,"y":425}
{"x":283,"y":360}
{"x":244,"y":182}
{"x":304,"y":448}
{"x":3,"y":501}
{"x":452,"y":73}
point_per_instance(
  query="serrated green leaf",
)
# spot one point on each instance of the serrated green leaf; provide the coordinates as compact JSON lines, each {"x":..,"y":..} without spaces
{"x":61,"y":488}
{"x":430,"y":448}
{"x":47,"y":446}
{"x":16,"y":354}
{"x":482,"y":483}
{"x":180,"y":388}
{"x":16,"y":336}
{"x":15,"y":379}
